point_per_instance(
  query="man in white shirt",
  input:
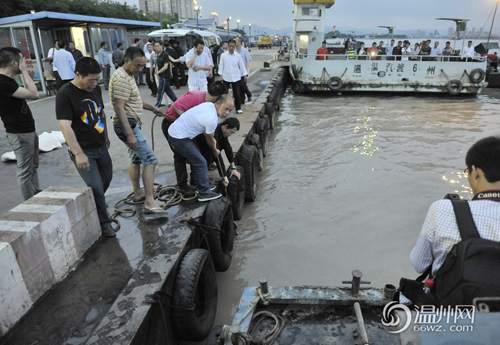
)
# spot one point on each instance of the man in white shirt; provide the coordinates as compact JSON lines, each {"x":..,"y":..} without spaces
{"x":435,"y":51}
{"x":65,"y":64}
{"x":468,"y":53}
{"x":231,"y":70}
{"x":389,"y":49}
{"x":50,"y":58}
{"x":201,"y":119}
{"x":200,"y":67}
{"x":245,"y":56}
{"x":406,"y":51}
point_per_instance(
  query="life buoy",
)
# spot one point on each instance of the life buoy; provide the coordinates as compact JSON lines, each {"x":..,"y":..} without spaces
{"x":271,"y":112}
{"x":236,"y":192}
{"x":477,"y":75}
{"x":297,"y":86}
{"x":454,"y":87}
{"x":256,"y":141}
{"x":294,"y":71}
{"x":194,"y":296}
{"x":335,"y":83}
{"x":249,"y":161}
{"x":220,"y":232}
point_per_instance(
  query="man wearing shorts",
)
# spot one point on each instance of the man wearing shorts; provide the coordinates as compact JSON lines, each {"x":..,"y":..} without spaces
{"x":128,"y":107}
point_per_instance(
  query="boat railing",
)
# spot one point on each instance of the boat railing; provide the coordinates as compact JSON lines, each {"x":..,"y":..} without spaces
{"x":439,"y":58}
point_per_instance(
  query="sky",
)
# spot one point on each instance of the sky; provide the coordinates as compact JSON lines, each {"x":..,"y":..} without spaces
{"x":367,"y":14}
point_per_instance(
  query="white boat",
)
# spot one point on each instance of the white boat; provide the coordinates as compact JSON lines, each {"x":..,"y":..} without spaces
{"x":338,"y":73}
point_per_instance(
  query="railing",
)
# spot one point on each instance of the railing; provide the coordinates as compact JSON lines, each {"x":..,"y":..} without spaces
{"x":440,"y":58}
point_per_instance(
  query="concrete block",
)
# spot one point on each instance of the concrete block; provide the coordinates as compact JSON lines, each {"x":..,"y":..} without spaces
{"x":41,"y":240}
{"x":14,"y":296}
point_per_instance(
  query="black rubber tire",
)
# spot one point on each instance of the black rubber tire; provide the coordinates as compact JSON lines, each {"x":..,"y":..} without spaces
{"x":213,"y":338}
{"x":454,"y":87}
{"x":271,"y":112}
{"x":335,"y":83}
{"x":195,"y":286}
{"x":219,"y":215}
{"x":256,"y":141}
{"x":477,"y":75}
{"x":263,"y":128}
{"x":297,"y":86}
{"x":236,"y":193}
{"x":249,"y":162}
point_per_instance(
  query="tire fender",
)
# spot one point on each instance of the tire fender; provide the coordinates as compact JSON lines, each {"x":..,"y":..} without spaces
{"x":219,"y":215}
{"x":195,"y":287}
{"x":294,"y":70}
{"x":335,"y":83}
{"x":249,"y":161}
{"x":271,"y":112}
{"x":256,"y":141}
{"x":297,"y":86}
{"x":454,"y":87}
{"x":263,"y":130}
{"x":477,"y":75}
{"x":236,"y":193}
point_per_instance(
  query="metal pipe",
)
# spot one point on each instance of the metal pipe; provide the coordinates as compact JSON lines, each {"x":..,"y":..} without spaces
{"x":492,"y":21}
{"x":361,"y":324}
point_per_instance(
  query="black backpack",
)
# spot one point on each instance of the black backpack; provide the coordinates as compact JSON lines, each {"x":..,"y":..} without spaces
{"x":472,"y":267}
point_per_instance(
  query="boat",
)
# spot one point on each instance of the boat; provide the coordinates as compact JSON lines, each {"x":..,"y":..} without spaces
{"x":335,"y":72}
{"x":355,"y":314}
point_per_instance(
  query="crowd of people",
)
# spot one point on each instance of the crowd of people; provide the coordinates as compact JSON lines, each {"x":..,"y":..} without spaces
{"x":404,"y":51}
{"x":196,"y":138}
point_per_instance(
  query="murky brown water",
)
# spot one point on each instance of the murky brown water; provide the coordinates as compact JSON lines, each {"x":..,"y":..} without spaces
{"x":347,"y":184}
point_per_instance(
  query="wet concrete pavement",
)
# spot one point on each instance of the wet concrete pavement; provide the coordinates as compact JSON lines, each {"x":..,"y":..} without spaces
{"x":72,"y":309}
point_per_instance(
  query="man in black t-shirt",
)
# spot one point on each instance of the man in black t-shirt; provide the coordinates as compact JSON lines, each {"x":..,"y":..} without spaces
{"x":17,"y":118}
{"x":163,"y":73}
{"x":80,"y":112}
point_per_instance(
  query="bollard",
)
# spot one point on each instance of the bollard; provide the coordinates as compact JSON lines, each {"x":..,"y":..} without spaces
{"x":263,"y":285}
{"x":356,"y":282}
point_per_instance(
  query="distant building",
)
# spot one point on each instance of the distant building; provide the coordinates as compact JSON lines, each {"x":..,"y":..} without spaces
{"x":152,"y":6}
{"x":183,"y":8}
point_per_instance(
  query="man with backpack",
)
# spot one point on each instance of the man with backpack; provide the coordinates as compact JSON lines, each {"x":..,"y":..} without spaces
{"x":468,"y":271}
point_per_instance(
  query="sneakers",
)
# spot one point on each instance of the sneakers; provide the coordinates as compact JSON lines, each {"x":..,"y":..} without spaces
{"x":187,"y":190}
{"x":107,"y":230}
{"x":208,"y":196}
{"x":212,"y":187}
{"x":212,"y":166}
{"x":249,"y":99}
{"x":239,"y":111}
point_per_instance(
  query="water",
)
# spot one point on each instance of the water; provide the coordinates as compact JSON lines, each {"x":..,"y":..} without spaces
{"x":347,"y":183}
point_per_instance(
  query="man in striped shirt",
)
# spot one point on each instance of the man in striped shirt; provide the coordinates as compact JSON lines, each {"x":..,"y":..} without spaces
{"x":128,"y":106}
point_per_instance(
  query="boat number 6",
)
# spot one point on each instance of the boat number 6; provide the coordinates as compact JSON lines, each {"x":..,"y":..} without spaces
{"x":415,"y":68}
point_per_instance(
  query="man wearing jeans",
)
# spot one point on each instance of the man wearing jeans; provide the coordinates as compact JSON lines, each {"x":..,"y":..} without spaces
{"x":200,"y":119}
{"x":17,"y":118}
{"x":128,"y":107}
{"x":80,"y":112}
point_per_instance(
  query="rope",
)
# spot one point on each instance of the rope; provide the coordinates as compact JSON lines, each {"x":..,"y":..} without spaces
{"x":152,"y":132}
{"x":267,"y":338}
{"x":169,"y":195}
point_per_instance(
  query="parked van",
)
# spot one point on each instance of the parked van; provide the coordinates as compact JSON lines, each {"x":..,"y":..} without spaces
{"x":185,"y":37}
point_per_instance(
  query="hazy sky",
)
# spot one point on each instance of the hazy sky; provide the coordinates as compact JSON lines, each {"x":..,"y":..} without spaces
{"x":403,"y":14}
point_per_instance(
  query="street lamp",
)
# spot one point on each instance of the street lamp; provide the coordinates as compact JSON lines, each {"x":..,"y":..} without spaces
{"x":250,"y":34}
{"x":228,"y":19}
{"x":238,"y":21}
{"x":197,"y":9}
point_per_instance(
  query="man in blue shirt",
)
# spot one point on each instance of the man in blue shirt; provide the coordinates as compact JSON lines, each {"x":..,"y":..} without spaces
{"x":65,"y":64}
{"x":105,"y":65}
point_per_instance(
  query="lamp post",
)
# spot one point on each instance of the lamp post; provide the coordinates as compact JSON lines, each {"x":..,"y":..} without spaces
{"x":250,"y":34}
{"x":238,"y":21}
{"x":228,"y":19}
{"x":197,"y":9}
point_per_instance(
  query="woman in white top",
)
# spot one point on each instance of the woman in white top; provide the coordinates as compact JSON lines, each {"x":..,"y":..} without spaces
{"x":362,"y":51}
{"x":149,"y":79}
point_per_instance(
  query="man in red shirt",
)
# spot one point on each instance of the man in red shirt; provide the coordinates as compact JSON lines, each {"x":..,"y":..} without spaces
{"x":322,"y":51}
{"x":184,"y":103}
